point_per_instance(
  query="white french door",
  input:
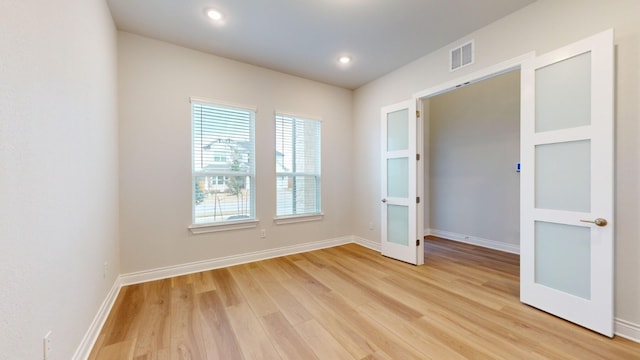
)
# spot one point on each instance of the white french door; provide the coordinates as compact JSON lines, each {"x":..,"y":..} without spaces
{"x":399,"y":183}
{"x":567,"y":220}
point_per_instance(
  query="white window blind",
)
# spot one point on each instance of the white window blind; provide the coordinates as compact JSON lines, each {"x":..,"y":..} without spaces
{"x":223,"y":163}
{"x":297,"y":166}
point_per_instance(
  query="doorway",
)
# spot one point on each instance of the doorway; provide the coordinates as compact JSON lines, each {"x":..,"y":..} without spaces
{"x":471,"y":150}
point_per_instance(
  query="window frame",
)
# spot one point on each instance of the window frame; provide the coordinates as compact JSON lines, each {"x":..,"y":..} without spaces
{"x":223,"y":225}
{"x":305,"y":216}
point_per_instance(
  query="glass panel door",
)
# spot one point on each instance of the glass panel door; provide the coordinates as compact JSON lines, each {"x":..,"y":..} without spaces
{"x":399,"y":186}
{"x":566,"y":260}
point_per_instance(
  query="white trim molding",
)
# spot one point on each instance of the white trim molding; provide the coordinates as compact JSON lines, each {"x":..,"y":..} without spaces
{"x":370,"y":244}
{"x":216,"y":263}
{"x":90,"y":337}
{"x":474,"y":240}
{"x":215,"y":102}
{"x":223,"y":226}
{"x":627,"y":330}
{"x":293,"y":219}
{"x":482,"y":74}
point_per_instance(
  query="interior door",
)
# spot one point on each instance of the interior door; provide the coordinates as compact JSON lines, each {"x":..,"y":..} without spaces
{"x":567,"y":223}
{"x":399,"y":183}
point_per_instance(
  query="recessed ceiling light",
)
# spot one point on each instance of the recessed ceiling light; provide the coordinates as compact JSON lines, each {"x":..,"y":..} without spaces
{"x":344,"y":59}
{"x":214,"y":14}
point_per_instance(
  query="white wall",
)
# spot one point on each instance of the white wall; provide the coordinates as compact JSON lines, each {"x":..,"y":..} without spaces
{"x":58,"y":172}
{"x":474,"y":145}
{"x":541,"y":27}
{"x":156,"y":80}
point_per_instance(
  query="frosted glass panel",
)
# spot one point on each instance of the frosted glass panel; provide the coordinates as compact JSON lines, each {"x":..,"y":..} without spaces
{"x":563,"y":176}
{"x":398,"y":177}
{"x":398,"y":130}
{"x":563,"y":94}
{"x":398,"y":224}
{"x":563,"y":258}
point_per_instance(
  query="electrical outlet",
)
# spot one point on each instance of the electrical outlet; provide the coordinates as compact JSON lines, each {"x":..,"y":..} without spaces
{"x":371,"y":226}
{"x":263,"y":233}
{"x":46,"y":346}
{"x":105,"y":269}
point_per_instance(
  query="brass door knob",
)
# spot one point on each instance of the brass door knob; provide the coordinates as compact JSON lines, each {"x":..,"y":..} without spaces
{"x":598,"y":221}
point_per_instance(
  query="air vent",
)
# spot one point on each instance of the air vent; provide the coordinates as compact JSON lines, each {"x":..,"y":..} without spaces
{"x":461,"y":56}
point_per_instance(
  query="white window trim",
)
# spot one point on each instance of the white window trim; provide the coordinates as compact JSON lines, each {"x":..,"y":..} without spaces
{"x":290,"y":219}
{"x":225,"y":226}
{"x":282,"y":220}
{"x":214,"y":102}
{"x":297,"y":115}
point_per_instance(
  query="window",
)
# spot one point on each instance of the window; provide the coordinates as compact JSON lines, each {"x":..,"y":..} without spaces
{"x":219,"y":156}
{"x":297,"y":166}
{"x":223,"y":163}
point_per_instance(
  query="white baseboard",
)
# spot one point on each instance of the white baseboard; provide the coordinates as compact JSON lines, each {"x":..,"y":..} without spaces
{"x":373,"y":245}
{"x":474,"y":240}
{"x":627,"y":330}
{"x":89,"y":340}
{"x":189,"y":268}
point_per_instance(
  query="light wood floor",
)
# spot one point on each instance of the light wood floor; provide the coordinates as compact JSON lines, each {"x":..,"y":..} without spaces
{"x":347,"y":302}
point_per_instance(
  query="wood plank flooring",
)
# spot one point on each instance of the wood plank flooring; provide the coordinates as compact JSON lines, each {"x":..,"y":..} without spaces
{"x":347,"y":302}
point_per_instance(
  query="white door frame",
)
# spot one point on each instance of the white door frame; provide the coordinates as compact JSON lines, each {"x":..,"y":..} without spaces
{"x":483,"y":74}
{"x":417,"y":98}
{"x":420,"y":97}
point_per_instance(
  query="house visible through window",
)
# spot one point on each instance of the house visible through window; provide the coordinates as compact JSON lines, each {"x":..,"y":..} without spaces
{"x":297,"y":166}
{"x":220,"y":156}
{"x":223,"y":163}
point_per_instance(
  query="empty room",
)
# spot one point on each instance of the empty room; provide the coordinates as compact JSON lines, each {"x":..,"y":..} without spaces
{"x":263,"y":179}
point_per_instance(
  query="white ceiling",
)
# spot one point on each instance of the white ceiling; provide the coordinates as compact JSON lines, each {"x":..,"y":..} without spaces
{"x":306,"y":37}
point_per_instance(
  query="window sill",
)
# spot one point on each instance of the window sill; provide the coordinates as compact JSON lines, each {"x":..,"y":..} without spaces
{"x":298,"y":218}
{"x":225,"y":226}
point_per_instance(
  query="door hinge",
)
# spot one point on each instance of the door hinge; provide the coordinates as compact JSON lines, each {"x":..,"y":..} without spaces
{"x":418,"y":157}
{"x":417,"y":113}
{"x":417,"y":242}
{"x":418,"y":200}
